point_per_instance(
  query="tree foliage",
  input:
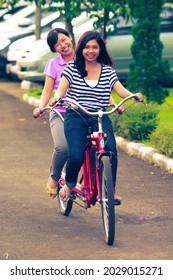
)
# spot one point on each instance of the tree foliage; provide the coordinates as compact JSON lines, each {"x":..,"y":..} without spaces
{"x":70,"y":9}
{"x":102,"y":10}
{"x":148,"y":72}
{"x":9,"y":3}
{"x":38,"y":12}
{"x":106,"y":13}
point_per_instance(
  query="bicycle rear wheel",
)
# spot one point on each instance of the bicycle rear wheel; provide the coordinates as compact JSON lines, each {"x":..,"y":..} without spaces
{"x":64,"y":206}
{"x":107,"y":200}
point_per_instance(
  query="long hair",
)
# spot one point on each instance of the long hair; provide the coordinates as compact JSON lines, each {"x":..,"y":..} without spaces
{"x":103,"y":57}
{"x":52,"y":37}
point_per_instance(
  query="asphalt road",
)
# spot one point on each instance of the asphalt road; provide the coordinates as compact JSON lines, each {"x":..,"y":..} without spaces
{"x":31,"y":226}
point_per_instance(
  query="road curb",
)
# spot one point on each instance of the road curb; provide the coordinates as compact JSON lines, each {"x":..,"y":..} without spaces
{"x":132,"y":148}
{"x":145,"y":153}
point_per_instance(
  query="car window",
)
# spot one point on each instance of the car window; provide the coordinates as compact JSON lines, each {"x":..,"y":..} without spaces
{"x":166,"y":27}
{"x":121,"y":31}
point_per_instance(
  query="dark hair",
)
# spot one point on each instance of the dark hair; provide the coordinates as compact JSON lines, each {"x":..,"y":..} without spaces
{"x":52,"y":37}
{"x":102,"y":58}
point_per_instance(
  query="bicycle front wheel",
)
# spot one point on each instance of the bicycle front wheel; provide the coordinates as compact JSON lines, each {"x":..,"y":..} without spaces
{"x":107,"y":200}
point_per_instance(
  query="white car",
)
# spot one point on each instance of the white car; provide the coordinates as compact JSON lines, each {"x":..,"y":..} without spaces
{"x":30,"y":63}
{"x":7,"y":13}
{"x":21,"y":25}
{"x":17,"y":47}
{"x":34,"y":72}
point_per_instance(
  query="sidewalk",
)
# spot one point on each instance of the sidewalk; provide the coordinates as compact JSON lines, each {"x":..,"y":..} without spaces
{"x":132,"y":148}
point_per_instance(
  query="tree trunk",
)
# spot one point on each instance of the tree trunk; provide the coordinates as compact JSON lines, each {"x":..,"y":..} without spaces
{"x":38,"y":20}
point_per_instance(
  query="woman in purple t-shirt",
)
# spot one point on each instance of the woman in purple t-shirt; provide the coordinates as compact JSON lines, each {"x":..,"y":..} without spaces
{"x":59,"y":41}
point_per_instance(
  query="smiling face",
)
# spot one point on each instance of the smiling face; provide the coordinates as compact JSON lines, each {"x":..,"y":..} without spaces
{"x":91,"y":51}
{"x":64,"y":45}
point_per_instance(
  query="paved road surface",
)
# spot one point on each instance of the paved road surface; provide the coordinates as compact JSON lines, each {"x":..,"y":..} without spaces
{"x":30,"y":224}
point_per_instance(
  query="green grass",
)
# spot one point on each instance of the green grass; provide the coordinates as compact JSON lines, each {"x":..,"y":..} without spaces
{"x":35,"y":92}
{"x":166,"y":113}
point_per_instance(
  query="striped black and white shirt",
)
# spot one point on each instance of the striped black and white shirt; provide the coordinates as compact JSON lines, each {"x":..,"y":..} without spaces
{"x":90,"y":97}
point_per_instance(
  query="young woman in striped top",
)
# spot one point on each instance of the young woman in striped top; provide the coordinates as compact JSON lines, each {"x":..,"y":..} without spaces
{"x":88,"y":80}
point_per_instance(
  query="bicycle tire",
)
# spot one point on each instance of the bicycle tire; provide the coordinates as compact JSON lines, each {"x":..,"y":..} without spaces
{"x":107,"y":200}
{"x":64,"y":206}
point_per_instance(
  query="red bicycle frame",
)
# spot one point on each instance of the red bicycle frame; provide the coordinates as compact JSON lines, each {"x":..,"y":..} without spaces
{"x":92,"y":187}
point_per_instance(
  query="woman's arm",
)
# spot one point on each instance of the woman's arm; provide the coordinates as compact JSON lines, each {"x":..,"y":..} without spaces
{"x":60,"y":92}
{"x":62,"y":89}
{"x":45,"y":96}
{"x":47,"y":91}
{"x":123,"y":92}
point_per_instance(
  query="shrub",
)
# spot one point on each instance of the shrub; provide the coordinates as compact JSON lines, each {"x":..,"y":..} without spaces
{"x":137,"y":122}
{"x":162,"y":140}
{"x":148,"y":72}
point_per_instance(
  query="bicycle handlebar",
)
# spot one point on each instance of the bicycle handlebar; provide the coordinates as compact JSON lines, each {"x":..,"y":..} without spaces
{"x":100,"y":113}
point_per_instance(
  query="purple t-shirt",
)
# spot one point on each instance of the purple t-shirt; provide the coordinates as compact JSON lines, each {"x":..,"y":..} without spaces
{"x":54,"y":68}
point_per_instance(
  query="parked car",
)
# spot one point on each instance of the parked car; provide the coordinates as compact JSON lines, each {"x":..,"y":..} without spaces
{"x":120,"y":41}
{"x":25,"y":49}
{"x":25,"y":69}
{"x":30,"y":67}
{"x":21,"y":25}
{"x":17,"y":47}
{"x":7,"y":13}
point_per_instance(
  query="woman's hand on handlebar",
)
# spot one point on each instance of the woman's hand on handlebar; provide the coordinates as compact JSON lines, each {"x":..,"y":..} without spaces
{"x":140,"y":97}
{"x":52,"y":101}
{"x":120,"y":110}
{"x":37,"y":112}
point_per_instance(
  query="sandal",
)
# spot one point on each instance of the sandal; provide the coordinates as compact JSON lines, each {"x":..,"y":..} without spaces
{"x":52,"y":191}
{"x":65,"y":193}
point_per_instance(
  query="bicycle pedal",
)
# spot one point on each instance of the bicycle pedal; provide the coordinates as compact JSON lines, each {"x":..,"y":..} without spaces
{"x":73,"y":196}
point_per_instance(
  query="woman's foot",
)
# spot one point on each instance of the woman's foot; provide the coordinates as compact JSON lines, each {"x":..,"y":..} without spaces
{"x":65,"y":193}
{"x":52,"y":188}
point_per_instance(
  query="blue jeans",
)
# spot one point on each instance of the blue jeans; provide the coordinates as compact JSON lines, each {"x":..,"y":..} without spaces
{"x":76,"y":130}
